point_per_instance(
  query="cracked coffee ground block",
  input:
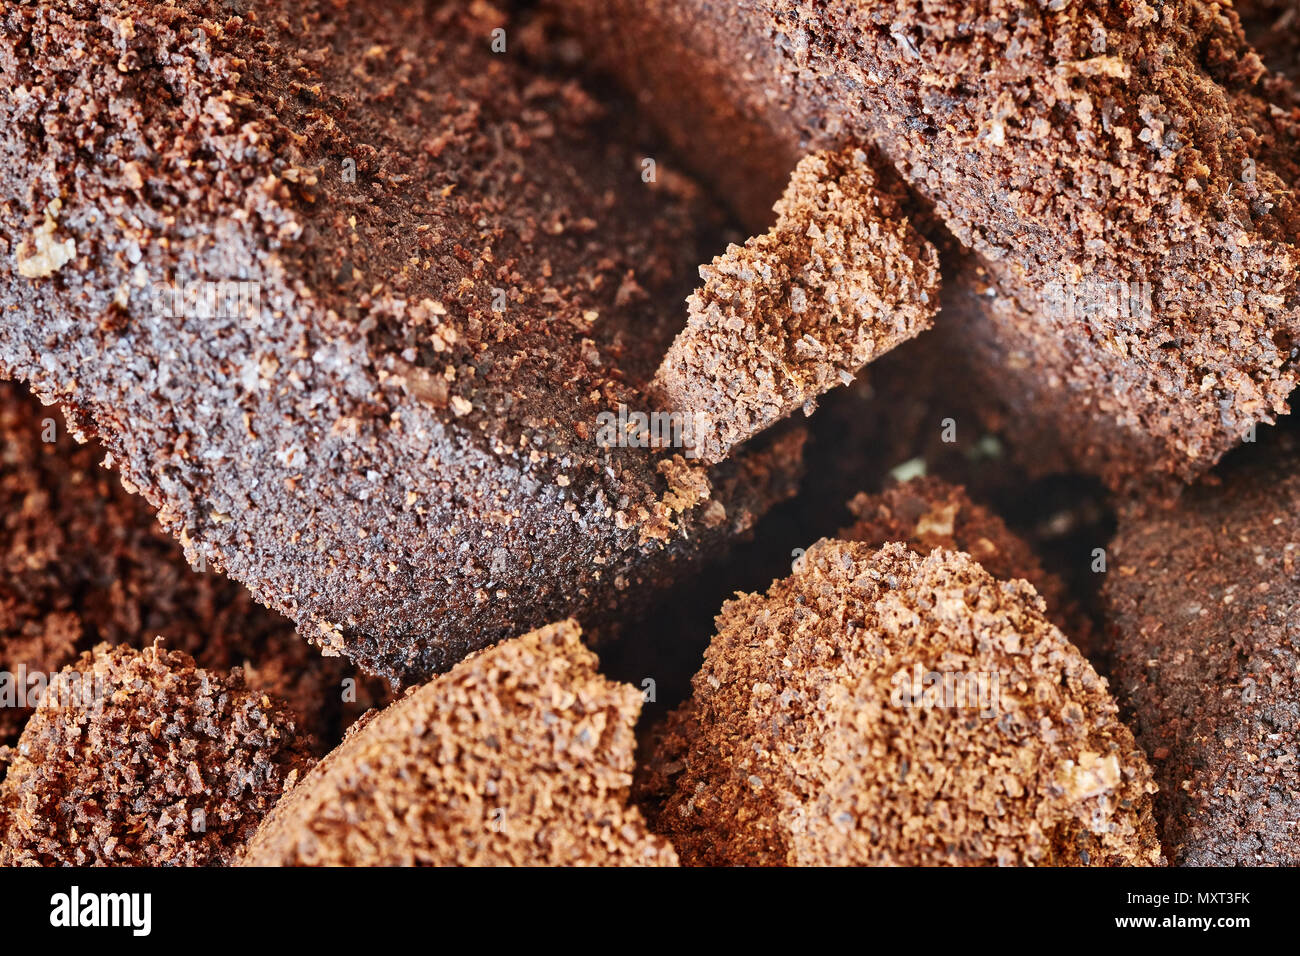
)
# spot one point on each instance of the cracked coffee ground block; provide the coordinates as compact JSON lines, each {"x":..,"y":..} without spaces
{"x":927,"y":513}
{"x":451,"y":268}
{"x":141,"y":758}
{"x":838,"y":280}
{"x":521,"y":755}
{"x":1204,"y":611}
{"x":82,"y":562}
{"x":1120,"y":172}
{"x":811,"y":737}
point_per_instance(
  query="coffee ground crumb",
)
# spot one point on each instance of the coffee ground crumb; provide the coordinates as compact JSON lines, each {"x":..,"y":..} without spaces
{"x":164,"y":764}
{"x":521,"y":755}
{"x":837,"y":281}
{"x":928,"y":512}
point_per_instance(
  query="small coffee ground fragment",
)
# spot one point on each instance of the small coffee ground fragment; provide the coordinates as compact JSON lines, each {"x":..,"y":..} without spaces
{"x":1204,"y":607}
{"x":162,"y":764}
{"x":801,"y":746}
{"x":928,"y":512}
{"x":837,"y":281}
{"x":520,"y":755}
